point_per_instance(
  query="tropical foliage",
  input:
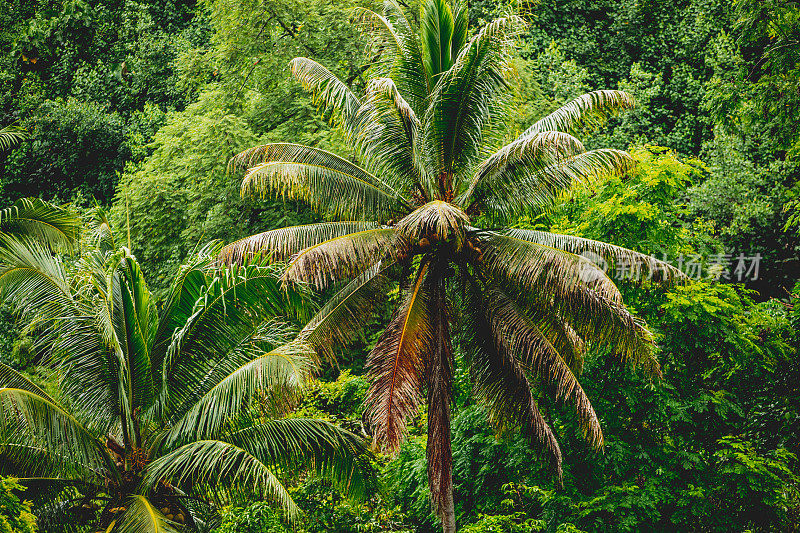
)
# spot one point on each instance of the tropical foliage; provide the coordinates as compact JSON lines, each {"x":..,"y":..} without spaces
{"x":524,"y":303}
{"x":156,"y":415}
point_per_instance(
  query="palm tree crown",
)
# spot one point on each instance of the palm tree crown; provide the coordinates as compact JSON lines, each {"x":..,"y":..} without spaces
{"x":155,"y":413}
{"x":521,"y":304}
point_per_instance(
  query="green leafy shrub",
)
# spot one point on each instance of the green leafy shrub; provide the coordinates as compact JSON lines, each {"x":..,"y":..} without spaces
{"x":15,"y":515}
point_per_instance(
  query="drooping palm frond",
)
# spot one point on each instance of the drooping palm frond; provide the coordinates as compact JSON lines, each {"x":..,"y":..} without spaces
{"x":327,"y":90}
{"x":395,"y":366}
{"x":280,"y":244}
{"x":222,"y":466}
{"x":439,"y":379}
{"x":346,"y":313}
{"x":387,"y":138}
{"x":36,"y":219}
{"x":589,"y":110}
{"x":30,"y":420}
{"x":616,"y":256}
{"x":285,"y":368}
{"x":536,"y":192}
{"x":329,"y":183}
{"x":544,"y":272}
{"x":515,"y":334}
{"x":100,"y":227}
{"x":11,"y":135}
{"x":500,"y":380}
{"x":345,"y":257}
{"x":141,"y":516}
{"x":12,"y":379}
{"x":315,"y":445}
{"x":463,"y":102}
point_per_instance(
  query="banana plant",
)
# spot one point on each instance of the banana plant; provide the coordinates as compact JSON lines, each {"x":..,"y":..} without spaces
{"x":159,"y":415}
{"x":427,"y":198}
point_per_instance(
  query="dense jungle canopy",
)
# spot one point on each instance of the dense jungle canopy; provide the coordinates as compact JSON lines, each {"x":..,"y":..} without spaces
{"x":403,"y":265}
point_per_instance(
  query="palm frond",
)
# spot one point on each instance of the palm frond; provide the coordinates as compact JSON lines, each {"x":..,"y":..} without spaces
{"x":32,"y":420}
{"x":589,"y":110}
{"x":544,"y":272}
{"x":439,"y":379}
{"x":395,"y":366}
{"x":345,"y":256}
{"x":615,"y":256}
{"x":347,"y":311}
{"x":387,"y":138}
{"x":536,"y":191}
{"x":311,"y":444}
{"x":399,"y":49}
{"x":36,"y":219}
{"x":12,"y":379}
{"x":436,"y":27}
{"x":327,"y":90}
{"x":219,"y":465}
{"x":501,"y":382}
{"x":329,"y":183}
{"x":514,"y":333}
{"x":141,"y":516}
{"x":437,"y":220}
{"x":464,"y":101}
{"x":280,"y":244}
{"x":285,"y":368}
{"x":11,"y":135}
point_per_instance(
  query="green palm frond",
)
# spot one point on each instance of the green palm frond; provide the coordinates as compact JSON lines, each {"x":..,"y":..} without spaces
{"x":11,"y":135}
{"x":589,"y":110}
{"x":437,"y":26}
{"x":387,"y":138}
{"x":12,"y":379}
{"x":280,"y":244}
{"x":329,"y":183}
{"x":543,"y":272}
{"x":219,"y":466}
{"x":36,"y":219}
{"x":401,"y":47}
{"x":500,"y":380}
{"x":346,"y":313}
{"x":345,"y":257}
{"x":464,"y":100}
{"x":284,"y":369}
{"x":327,"y":90}
{"x":141,"y":516}
{"x":616,"y":256}
{"x":536,"y":189}
{"x":515,"y":334}
{"x":521,"y":158}
{"x":225,"y":323}
{"x":309,"y":444}
{"x":32,"y":420}
{"x":396,"y":364}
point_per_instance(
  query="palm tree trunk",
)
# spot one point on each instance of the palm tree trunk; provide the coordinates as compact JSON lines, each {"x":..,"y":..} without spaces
{"x":440,"y":376}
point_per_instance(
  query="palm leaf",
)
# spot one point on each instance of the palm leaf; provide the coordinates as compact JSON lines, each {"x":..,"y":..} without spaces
{"x":347,"y":311}
{"x":11,"y":135}
{"x":327,"y":90}
{"x":12,"y":379}
{"x":396,"y":364}
{"x":438,"y":220}
{"x":588,"y":110}
{"x":219,"y":465}
{"x":329,"y":183}
{"x":436,"y":27}
{"x":615,"y":255}
{"x":280,"y":244}
{"x":345,"y":256}
{"x":142,"y":516}
{"x":37,"y":219}
{"x":501,"y":382}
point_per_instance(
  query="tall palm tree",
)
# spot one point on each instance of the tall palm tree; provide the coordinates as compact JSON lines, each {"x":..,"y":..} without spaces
{"x":157,"y":413}
{"x":427,"y":200}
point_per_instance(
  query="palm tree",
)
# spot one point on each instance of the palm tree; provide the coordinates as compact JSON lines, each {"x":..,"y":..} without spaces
{"x":158,"y":413}
{"x":428,"y":202}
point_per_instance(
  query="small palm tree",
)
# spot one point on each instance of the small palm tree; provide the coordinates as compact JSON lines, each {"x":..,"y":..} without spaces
{"x":428,"y":201}
{"x":157,"y":413}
